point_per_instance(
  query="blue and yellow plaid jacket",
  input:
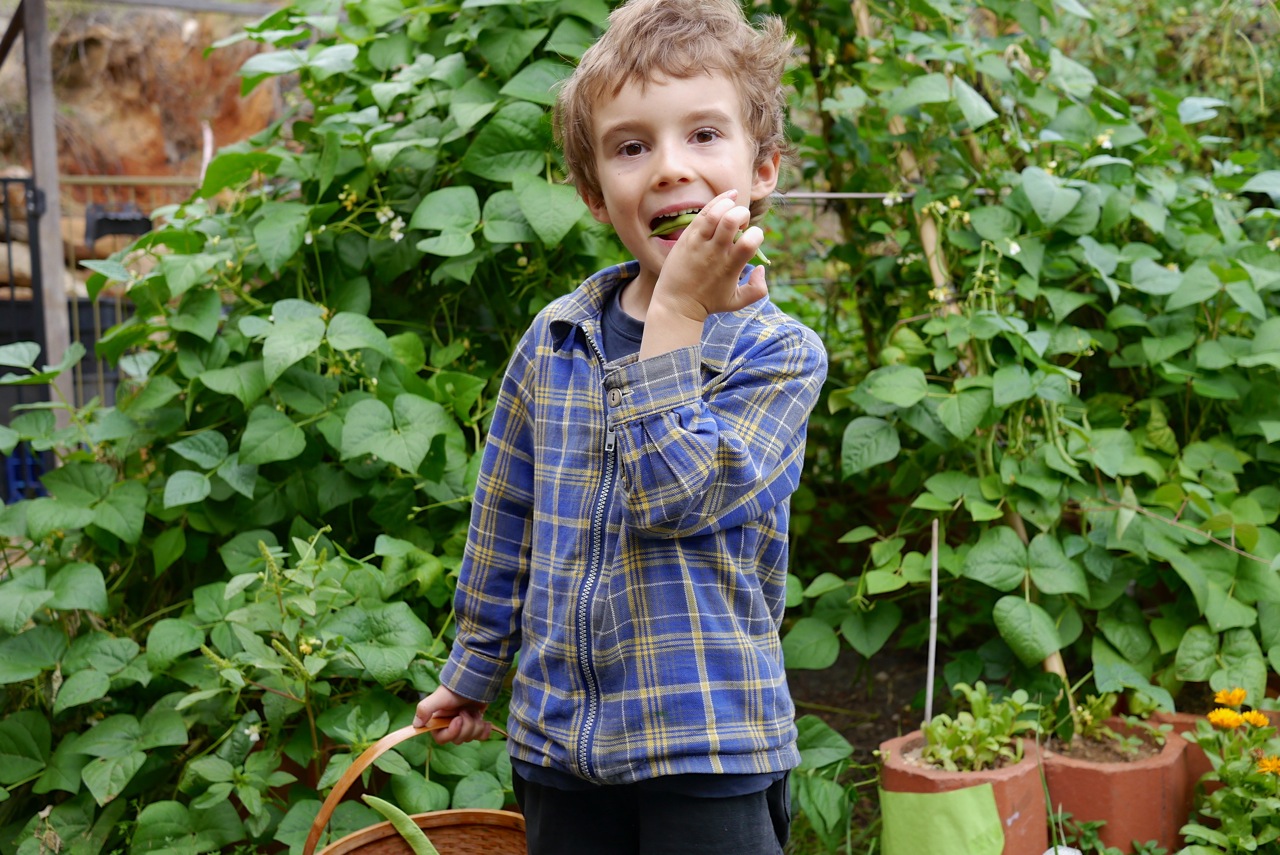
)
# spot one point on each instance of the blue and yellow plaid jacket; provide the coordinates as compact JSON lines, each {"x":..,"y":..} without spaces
{"x":629,"y":539}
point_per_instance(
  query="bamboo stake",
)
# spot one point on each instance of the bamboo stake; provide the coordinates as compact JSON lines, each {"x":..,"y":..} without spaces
{"x":933,"y":625}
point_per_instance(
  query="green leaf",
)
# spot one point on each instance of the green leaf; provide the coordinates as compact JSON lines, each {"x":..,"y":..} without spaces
{"x":867,"y":442}
{"x":1242,"y":664}
{"x":931,"y":88}
{"x":416,"y":794}
{"x":962,"y":412}
{"x":350,"y":331}
{"x":206,"y":449}
{"x":977,"y":112}
{"x":1026,"y":628}
{"x":1052,"y":572}
{"x":24,"y":656}
{"x":20,"y":354}
{"x":247,"y":381}
{"x":45,"y":516}
{"x":995,"y":223}
{"x":550,"y":209}
{"x":25,"y":740}
{"x":900,"y":385}
{"x":21,"y":596}
{"x":1049,"y":199}
{"x":820,"y":744}
{"x":1011,"y":383}
{"x":538,"y":81}
{"x":170,"y":639}
{"x":280,"y":230}
{"x":1197,"y":654}
{"x":198,"y":314}
{"x":506,"y":48}
{"x":810,"y":645}
{"x":512,"y":143}
{"x":868,"y":631}
{"x":504,"y":221}
{"x":270,"y":436}
{"x":998,"y":559}
{"x":1152,"y":278}
{"x":402,"y":435}
{"x":289,"y":341}
{"x":230,"y":168}
{"x":106,"y":777}
{"x":78,"y":585}
{"x":169,"y":546}
{"x":167,"y":828}
{"x":1195,"y":109}
{"x":79,"y":483}
{"x":162,"y":728}
{"x":123,"y":511}
{"x":1125,"y":627}
{"x":450,"y":209}
{"x":82,"y":687}
{"x":1264,"y":182}
{"x":1075,"y":80}
{"x":182,"y":272}
{"x":186,"y":488}
{"x":479,"y":790}
{"x":1198,"y":285}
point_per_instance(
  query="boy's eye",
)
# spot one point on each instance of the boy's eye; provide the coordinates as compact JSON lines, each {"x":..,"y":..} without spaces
{"x":705,"y":135}
{"x":630,"y":149}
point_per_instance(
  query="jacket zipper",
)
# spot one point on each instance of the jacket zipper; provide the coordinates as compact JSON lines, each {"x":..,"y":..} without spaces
{"x":587,"y":593}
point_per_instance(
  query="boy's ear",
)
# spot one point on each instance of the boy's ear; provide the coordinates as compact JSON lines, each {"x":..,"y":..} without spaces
{"x":766,"y":178}
{"x":596,"y":206}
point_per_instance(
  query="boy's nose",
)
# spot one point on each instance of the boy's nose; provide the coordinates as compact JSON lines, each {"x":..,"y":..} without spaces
{"x":670,"y":168}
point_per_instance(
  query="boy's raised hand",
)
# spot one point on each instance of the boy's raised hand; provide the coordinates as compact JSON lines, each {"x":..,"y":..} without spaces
{"x":700,"y":276}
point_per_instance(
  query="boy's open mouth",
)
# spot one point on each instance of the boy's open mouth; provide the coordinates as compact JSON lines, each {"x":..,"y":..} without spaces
{"x":669,"y":225}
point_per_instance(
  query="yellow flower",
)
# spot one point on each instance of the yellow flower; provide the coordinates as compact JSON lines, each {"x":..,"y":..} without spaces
{"x":1230,"y":697}
{"x":1225,"y":719}
{"x":1256,"y":718}
{"x":1269,"y":765}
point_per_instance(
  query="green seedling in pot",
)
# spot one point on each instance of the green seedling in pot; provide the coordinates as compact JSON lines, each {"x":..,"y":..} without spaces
{"x":668,"y":226}
{"x":402,"y":823}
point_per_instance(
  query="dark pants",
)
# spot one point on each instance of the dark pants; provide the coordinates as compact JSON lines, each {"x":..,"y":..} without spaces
{"x":635,"y":820}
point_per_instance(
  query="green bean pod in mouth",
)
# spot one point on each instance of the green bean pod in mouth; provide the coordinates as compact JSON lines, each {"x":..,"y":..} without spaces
{"x":680,"y":222}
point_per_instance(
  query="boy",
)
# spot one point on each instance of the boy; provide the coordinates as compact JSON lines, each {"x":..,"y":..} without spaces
{"x":629,"y":531}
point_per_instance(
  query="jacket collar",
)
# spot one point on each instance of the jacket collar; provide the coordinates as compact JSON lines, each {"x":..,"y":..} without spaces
{"x":581,"y":310}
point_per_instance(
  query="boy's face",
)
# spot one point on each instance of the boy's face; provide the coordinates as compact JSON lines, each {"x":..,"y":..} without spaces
{"x":667,"y":147}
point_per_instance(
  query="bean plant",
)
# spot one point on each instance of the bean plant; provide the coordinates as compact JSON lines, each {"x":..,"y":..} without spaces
{"x":240,"y":574}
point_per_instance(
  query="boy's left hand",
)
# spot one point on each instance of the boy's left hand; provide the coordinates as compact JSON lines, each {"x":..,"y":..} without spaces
{"x":700,"y":275}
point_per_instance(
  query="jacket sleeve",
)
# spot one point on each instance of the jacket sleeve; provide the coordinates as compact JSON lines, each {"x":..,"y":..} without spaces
{"x":697,"y":459}
{"x":494,"y":573}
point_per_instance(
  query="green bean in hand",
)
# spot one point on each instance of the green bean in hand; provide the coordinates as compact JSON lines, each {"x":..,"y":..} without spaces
{"x":680,"y":222}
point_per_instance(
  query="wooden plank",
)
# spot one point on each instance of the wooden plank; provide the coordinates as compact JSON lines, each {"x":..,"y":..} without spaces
{"x":44,"y":211}
{"x":248,"y":10}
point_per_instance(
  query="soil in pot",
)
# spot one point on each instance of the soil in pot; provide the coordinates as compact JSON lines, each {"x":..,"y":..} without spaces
{"x":1141,"y":796}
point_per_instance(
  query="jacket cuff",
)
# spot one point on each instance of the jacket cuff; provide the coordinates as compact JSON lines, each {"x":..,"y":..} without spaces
{"x":474,"y":677}
{"x":640,"y":388}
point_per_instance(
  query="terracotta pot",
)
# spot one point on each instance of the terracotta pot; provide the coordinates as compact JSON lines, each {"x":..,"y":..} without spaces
{"x":1019,"y":794}
{"x":1195,"y":760}
{"x":1147,"y":799}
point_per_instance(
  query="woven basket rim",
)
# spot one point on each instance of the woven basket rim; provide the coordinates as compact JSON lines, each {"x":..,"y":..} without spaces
{"x":498,"y":820}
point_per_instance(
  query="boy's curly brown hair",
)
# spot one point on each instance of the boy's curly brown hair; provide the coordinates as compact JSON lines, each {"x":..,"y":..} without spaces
{"x":681,"y":39}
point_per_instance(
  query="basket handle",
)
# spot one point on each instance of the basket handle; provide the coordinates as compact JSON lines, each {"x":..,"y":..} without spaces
{"x":356,"y":769}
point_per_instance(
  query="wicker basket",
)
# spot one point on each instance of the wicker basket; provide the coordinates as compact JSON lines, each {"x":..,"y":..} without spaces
{"x":453,"y":832}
